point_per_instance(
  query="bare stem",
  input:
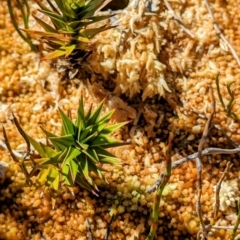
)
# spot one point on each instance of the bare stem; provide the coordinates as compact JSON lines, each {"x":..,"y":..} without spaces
{"x":199,"y":165}
{"x":158,"y":195}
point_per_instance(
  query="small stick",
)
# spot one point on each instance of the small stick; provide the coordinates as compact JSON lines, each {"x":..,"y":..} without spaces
{"x":218,"y":188}
{"x":157,"y":199}
{"x":219,"y":32}
{"x":199,"y":165}
{"x":178,"y":19}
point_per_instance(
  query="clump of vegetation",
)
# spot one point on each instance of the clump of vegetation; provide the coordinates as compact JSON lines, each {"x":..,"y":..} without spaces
{"x":69,"y":30}
{"x":72,"y":156}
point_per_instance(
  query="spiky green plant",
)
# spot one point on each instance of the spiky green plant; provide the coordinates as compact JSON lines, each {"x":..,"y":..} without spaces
{"x":71,"y":157}
{"x":69,"y":30}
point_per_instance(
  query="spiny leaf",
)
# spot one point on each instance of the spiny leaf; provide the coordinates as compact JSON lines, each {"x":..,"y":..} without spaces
{"x":63,"y":141}
{"x":73,"y":167}
{"x":71,"y":154}
{"x":56,"y":53}
{"x":37,"y":146}
{"x":15,"y":159}
{"x":67,"y":125}
{"x":21,"y":131}
{"x":42,"y":176}
{"x":106,"y":142}
{"x":91,"y":32}
{"x":111,"y":128}
{"x":96,"y":114}
{"x":45,"y":26}
{"x":84,"y":167}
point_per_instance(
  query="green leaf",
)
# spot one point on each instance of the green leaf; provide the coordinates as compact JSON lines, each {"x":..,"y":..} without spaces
{"x":88,"y":113}
{"x":52,"y":174}
{"x":90,"y":8}
{"x":80,"y":116}
{"x":37,"y":146}
{"x":85,"y":133}
{"x":106,"y":142}
{"x":82,"y":146}
{"x":55,"y":54}
{"x":83,"y":183}
{"x":56,"y":19}
{"x":106,"y":157}
{"x":55,"y":183}
{"x":53,"y":7}
{"x":67,"y":11}
{"x":67,"y":125}
{"x":45,"y":26}
{"x":111,"y":128}
{"x":89,"y":138}
{"x":70,"y":155}
{"x":48,"y":150}
{"x":92,"y":151}
{"x":41,"y":178}
{"x":69,"y":49}
{"x":91,"y":155}
{"x":59,"y":4}
{"x":91,"y":32}
{"x":73,"y":167}
{"x":96,"y":114}
{"x":84,"y":167}
{"x":63,"y":141}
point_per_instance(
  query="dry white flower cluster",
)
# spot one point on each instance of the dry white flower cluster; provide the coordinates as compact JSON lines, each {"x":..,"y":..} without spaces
{"x":131,"y":51}
{"x":229,"y":194}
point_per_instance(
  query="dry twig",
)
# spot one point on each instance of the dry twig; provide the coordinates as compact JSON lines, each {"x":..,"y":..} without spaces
{"x":219,"y":32}
{"x":199,"y":165}
{"x":178,"y":19}
{"x":205,"y":152}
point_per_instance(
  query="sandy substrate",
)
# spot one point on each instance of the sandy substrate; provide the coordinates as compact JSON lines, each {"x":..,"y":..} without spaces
{"x":161,"y":78}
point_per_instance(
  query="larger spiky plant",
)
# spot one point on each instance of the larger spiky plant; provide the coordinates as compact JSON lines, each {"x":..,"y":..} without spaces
{"x":72,"y":156}
{"x":70,"y":20}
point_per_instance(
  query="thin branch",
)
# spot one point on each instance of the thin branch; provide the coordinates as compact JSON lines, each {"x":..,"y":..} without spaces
{"x":178,"y":19}
{"x":218,"y":188}
{"x":205,"y":152}
{"x":199,"y":165}
{"x":219,"y":32}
